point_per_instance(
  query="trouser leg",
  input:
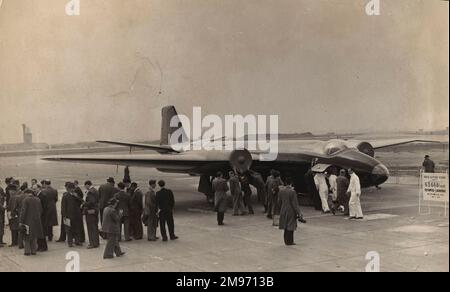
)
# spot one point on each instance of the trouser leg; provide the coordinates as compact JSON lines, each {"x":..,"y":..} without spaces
{"x":92,"y":227}
{"x":324,"y":199}
{"x":110,"y":245}
{"x":288,"y":237}
{"x":20,"y":241}
{"x":14,"y":237}
{"x":62,"y":234}
{"x":70,"y":236}
{"x":248,"y":202}
{"x":151,"y":228}
{"x":171,"y":225}
{"x":81,"y":233}
{"x":33,"y":245}
{"x":358,"y":209}
{"x":269,"y":205}
{"x":235,"y":205}
{"x":162,"y":226}
{"x":352,"y":205}
{"x":50,"y":233}
{"x":117,"y":249}
{"x":27,"y":243}
{"x":126,"y":227}
{"x":42,"y":244}
{"x":220,"y":217}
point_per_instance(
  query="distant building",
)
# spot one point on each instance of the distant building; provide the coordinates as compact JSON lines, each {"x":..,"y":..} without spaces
{"x":27,"y":135}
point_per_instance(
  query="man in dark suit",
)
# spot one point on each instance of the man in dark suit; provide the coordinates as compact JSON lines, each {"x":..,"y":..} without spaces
{"x":166,"y":202}
{"x":111,"y":227}
{"x":30,"y":222}
{"x":90,"y":209}
{"x":80,"y":194}
{"x":124,"y":206}
{"x":151,"y":212}
{"x":63,"y":233}
{"x":42,"y":196}
{"x":136,"y":208}
{"x":73,"y":216}
{"x":51,"y":216}
{"x":106,"y":192}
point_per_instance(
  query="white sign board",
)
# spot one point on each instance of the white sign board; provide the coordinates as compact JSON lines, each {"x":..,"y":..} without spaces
{"x":435,"y":187}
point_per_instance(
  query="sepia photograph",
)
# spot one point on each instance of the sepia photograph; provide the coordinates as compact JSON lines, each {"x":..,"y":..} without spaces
{"x":224,"y":142}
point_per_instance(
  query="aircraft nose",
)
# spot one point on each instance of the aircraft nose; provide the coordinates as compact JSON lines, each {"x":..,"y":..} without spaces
{"x":380,"y":173}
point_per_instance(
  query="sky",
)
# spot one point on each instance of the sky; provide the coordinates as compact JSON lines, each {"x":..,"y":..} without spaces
{"x":321,"y":65}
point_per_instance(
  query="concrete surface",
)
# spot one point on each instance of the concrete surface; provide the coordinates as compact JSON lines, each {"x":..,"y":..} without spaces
{"x":392,"y":227}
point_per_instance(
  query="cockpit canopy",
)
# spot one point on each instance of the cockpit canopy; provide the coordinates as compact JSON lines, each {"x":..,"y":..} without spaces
{"x":335,"y":146}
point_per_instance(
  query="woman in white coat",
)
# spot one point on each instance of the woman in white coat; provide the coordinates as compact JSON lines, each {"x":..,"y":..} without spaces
{"x":354,"y":189}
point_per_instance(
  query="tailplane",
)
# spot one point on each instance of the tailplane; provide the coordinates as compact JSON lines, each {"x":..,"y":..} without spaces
{"x":170,"y":116}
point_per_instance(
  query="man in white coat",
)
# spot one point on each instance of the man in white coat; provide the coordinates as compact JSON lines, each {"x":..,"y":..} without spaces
{"x":322,"y":186}
{"x":354,"y":189}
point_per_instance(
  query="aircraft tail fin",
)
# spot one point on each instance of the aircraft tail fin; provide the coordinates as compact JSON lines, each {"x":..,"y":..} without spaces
{"x":170,"y":116}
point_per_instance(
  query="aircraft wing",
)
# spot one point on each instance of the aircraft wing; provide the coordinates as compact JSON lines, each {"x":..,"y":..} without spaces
{"x":378,"y":144}
{"x":159,"y":148}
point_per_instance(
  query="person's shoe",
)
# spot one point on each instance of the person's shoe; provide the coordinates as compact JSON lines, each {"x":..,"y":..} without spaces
{"x":21,"y":247}
{"x":359,"y":218}
{"x":121,"y":254}
{"x":33,"y":253}
{"x":236,"y":215}
{"x":60,"y":240}
{"x":27,"y":254}
{"x":289,"y":244}
{"x":152,"y":239}
{"x":175,"y":237}
{"x":90,"y":247}
{"x":78,"y":244}
{"x":269,"y":217}
{"x":70,"y":245}
{"x":352,"y":218}
{"x":164,"y":239}
{"x":220,"y":224}
{"x":108,"y":258}
{"x":333,"y":211}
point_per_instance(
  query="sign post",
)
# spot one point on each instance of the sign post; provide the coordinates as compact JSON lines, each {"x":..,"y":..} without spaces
{"x":433,"y":188}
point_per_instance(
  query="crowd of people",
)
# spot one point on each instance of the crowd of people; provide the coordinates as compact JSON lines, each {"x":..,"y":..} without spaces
{"x":123,"y":209}
{"x":120,"y":209}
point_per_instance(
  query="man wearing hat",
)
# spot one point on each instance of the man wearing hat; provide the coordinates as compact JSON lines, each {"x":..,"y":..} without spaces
{"x":111,"y":228}
{"x":428,"y":165}
{"x":106,"y":192}
{"x":73,"y":216}
{"x":150,"y":217}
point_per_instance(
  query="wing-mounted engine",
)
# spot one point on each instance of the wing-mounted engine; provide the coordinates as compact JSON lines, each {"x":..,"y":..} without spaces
{"x":241,"y":160}
{"x":366,"y":148}
{"x":363,"y":147}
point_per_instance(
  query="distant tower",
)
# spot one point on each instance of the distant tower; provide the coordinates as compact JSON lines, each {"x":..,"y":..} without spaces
{"x":27,"y":136}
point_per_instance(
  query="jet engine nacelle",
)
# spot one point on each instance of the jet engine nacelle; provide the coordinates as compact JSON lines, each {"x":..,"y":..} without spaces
{"x":241,"y":160}
{"x":362,"y":146}
{"x":366,"y":148}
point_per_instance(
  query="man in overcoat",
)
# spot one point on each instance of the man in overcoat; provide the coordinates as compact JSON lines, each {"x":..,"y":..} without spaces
{"x":289,"y":212}
{"x":30,"y":222}
{"x":111,"y":228}
{"x":220,"y":188}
